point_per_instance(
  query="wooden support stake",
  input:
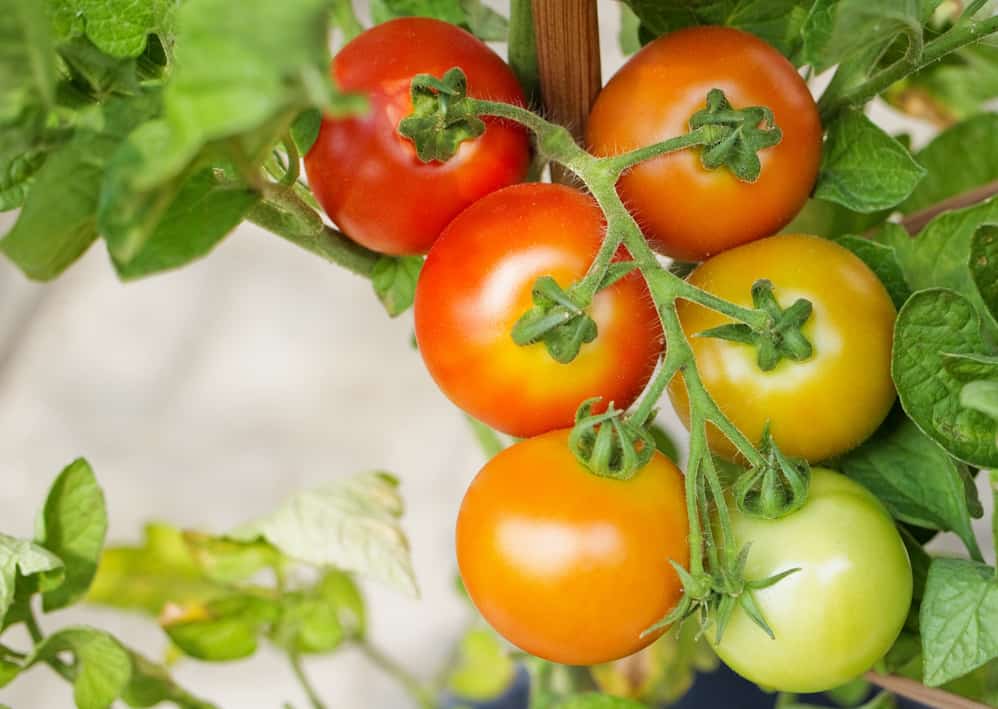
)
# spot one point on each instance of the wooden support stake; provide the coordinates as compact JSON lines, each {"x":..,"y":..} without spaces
{"x":568,"y":59}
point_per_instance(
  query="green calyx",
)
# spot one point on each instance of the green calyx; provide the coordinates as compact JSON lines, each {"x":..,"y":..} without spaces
{"x":779,"y":338}
{"x":776,"y":487}
{"x":714,"y":597}
{"x":442,"y":116}
{"x":610,"y":444}
{"x":734,"y":137}
{"x":557,"y":320}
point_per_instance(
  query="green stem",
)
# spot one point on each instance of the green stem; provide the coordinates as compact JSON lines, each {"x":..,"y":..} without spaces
{"x":488,"y":439}
{"x":959,"y":36}
{"x":420,"y":693}
{"x":37,"y":637}
{"x":294,"y":162}
{"x":285,"y":214}
{"x":701,"y":136}
{"x":523,"y":49}
{"x":313,"y":696}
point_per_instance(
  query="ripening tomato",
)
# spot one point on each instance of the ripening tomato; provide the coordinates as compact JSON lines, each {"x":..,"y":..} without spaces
{"x":476,"y":284}
{"x":818,"y":408}
{"x":842,"y":611}
{"x":566,"y":565}
{"x":368,"y":177}
{"x":687,"y":211}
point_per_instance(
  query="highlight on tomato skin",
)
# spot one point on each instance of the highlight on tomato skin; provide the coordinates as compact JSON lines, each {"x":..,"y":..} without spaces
{"x":687,"y":211}
{"x":821,"y":407}
{"x":842,"y":611}
{"x":475,"y":285}
{"x":566,"y":565}
{"x":368,"y":178}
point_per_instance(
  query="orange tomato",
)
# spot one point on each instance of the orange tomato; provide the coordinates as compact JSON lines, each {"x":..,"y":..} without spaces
{"x":476,"y":284}
{"x":687,"y":211}
{"x":566,"y":565}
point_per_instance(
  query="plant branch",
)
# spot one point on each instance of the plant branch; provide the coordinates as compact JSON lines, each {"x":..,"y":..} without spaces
{"x":960,"y":35}
{"x":914,"y":690}
{"x":299,"y":670}
{"x":420,"y":693}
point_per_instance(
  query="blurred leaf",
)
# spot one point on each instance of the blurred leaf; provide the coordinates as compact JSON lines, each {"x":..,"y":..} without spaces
{"x":227,"y":628}
{"x":484,"y":669}
{"x":227,"y":561}
{"x":305,"y":129}
{"x":352,"y":524}
{"x":162,"y":570}
{"x":150,"y":685}
{"x":58,"y":221}
{"x":72,"y":526}
{"x":663,"y":441}
{"x":984,"y":266}
{"x":778,"y":22}
{"x":960,"y":158}
{"x":319,"y":619}
{"x":102,"y":666}
{"x":831,"y":220}
{"x":117,"y":27}
{"x":627,"y":37}
{"x":473,"y":15}
{"x":838,"y":30}
{"x":27,"y":57}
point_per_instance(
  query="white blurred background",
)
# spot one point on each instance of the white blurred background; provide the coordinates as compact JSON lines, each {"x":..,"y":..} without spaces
{"x":205,"y":396}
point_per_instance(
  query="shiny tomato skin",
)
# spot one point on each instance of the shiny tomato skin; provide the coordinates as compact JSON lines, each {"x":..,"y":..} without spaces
{"x":566,"y":565}
{"x":475,"y":285}
{"x":819,"y":408}
{"x":687,"y":211}
{"x":842,"y":611}
{"x":368,"y":178}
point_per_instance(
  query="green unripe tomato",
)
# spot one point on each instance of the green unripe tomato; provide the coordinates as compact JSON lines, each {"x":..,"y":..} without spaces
{"x":842,"y":611}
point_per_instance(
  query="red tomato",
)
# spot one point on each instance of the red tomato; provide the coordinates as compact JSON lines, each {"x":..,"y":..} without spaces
{"x":566,"y":565}
{"x":687,"y":211}
{"x":476,"y":284}
{"x":369,"y":179}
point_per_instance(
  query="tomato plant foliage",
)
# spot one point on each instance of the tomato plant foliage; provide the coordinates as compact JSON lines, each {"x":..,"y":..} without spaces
{"x":158,"y":127}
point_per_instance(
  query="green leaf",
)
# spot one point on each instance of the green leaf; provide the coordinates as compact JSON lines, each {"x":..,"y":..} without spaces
{"x":151,"y":685}
{"x":863,"y":168}
{"x":394,"y":279}
{"x":117,"y":27}
{"x":984,"y":266}
{"x":198,"y":215}
{"x":939,"y":256}
{"x":484,"y":669}
{"x":931,"y":323}
{"x":227,"y":628}
{"x":58,"y":221}
{"x":837,"y":30}
{"x":832,"y":220}
{"x":305,"y":129}
{"x":243,"y":72}
{"x":882,"y":261}
{"x":915,"y":479}
{"x":352,"y":524}
{"x":522,"y":49}
{"x":958,"y":619}
{"x":102,"y":668}
{"x":227,"y":561}
{"x":981,"y":396}
{"x":73,"y":525}
{"x":778,"y":22}
{"x":8,"y":672}
{"x":94,"y":75}
{"x":947,"y":177}
{"x":484,"y":22}
{"x":473,"y":15}
{"x":319,"y":619}
{"x":27,"y":57}
{"x":663,"y":441}
{"x":162,"y":570}
{"x":27,"y":559}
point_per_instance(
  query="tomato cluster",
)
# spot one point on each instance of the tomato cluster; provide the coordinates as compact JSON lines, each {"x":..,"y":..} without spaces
{"x":568,"y":565}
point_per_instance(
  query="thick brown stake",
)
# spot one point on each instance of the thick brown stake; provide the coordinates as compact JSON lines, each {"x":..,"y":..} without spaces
{"x":568,"y":60}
